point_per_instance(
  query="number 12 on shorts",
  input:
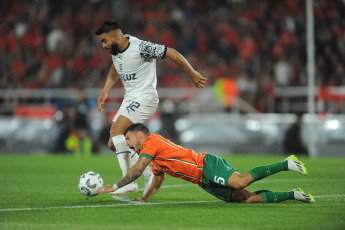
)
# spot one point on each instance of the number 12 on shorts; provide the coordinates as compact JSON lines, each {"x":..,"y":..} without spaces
{"x":134,"y":105}
{"x":219,"y":180}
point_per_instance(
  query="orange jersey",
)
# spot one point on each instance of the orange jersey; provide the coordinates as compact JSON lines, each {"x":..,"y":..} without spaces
{"x":173,"y":159}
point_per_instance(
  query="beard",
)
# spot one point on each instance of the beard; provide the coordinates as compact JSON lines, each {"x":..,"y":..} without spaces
{"x":114,"y":49}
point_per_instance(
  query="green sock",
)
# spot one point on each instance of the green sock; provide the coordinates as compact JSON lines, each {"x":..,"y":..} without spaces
{"x":263,"y":171}
{"x":275,"y":197}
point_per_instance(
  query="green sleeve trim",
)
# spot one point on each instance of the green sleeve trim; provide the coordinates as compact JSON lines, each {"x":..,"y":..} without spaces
{"x":146,"y":155}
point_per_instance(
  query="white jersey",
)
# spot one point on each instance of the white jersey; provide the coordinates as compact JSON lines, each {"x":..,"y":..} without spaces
{"x":136,"y":66}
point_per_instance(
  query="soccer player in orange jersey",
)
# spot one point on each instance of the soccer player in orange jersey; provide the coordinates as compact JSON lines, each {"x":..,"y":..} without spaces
{"x":212,"y":173}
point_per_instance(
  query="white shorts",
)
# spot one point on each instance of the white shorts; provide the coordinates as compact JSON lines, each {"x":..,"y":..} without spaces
{"x":137,"y":110}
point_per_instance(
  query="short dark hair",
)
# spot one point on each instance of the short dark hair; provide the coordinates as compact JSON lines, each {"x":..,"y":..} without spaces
{"x":107,"y":26}
{"x":136,"y":127}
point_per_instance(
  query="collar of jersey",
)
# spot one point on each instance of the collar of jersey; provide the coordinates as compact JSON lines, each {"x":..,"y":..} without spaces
{"x":129,"y":38}
{"x":120,"y":52}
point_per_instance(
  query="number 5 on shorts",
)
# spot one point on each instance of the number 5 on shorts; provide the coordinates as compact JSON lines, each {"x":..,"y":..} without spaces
{"x":219,"y":180}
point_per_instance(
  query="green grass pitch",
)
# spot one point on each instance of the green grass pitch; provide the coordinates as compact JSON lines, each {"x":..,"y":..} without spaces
{"x":41,"y":192}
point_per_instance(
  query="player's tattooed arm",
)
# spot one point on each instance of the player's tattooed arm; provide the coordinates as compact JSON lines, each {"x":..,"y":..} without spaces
{"x":130,"y":176}
{"x":134,"y":172}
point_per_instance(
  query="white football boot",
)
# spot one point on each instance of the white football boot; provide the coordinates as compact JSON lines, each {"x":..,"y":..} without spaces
{"x":130,"y":188}
{"x":296,"y":165}
{"x":301,"y":196}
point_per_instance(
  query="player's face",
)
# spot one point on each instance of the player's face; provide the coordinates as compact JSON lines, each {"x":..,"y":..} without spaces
{"x":109,"y":43}
{"x":133,"y":142}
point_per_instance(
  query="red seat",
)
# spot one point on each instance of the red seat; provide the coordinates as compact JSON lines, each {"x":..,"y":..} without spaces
{"x":35,"y":111}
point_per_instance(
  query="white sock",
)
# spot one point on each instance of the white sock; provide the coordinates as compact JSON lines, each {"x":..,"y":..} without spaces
{"x":134,"y":158}
{"x":122,"y":152}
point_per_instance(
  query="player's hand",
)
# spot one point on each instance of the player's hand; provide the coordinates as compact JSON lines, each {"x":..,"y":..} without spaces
{"x":100,"y":101}
{"x":198,"y":80}
{"x":108,"y":188}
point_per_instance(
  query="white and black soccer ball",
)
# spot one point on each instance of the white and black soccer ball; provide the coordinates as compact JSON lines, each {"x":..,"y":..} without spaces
{"x":89,"y":183}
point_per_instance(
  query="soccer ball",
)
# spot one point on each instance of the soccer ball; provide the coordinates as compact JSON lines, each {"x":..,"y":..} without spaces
{"x":89,"y":183}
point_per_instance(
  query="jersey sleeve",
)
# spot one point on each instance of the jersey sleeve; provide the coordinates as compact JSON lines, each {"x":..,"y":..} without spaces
{"x":149,"y":50}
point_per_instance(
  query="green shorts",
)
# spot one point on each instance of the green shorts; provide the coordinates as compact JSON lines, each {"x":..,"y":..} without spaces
{"x":216,"y":173}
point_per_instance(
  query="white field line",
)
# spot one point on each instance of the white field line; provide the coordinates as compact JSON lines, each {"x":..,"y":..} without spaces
{"x":327,"y":196}
{"x":130,"y":203}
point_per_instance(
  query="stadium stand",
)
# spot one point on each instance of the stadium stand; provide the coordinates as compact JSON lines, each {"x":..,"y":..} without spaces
{"x":51,"y":44}
{"x":260,"y":45}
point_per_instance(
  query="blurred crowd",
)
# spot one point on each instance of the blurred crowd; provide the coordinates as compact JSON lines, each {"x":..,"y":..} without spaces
{"x":259,"y":44}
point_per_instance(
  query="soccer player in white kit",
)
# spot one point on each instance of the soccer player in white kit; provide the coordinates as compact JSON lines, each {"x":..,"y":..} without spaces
{"x":134,"y":63}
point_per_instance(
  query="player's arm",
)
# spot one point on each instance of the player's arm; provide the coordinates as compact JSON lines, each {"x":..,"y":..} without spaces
{"x":155,"y":185}
{"x":196,"y":77}
{"x":112,"y":78}
{"x":130,"y":176}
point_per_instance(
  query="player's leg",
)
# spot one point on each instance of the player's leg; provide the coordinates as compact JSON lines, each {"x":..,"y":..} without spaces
{"x":291,"y":163}
{"x":263,"y":171}
{"x":267,"y":196}
{"x":239,"y":181}
{"x":123,"y":152}
{"x":119,"y":142}
{"x":261,"y":196}
{"x":138,"y":111}
{"x":240,"y":195}
{"x":217,"y":170}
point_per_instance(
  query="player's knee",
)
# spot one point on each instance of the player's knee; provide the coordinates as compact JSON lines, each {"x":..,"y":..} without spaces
{"x":237,"y":181}
{"x":254,"y":199}
{"x":241,"y":195}
{"x":111,"y":145}
{"x":240,"y":183}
